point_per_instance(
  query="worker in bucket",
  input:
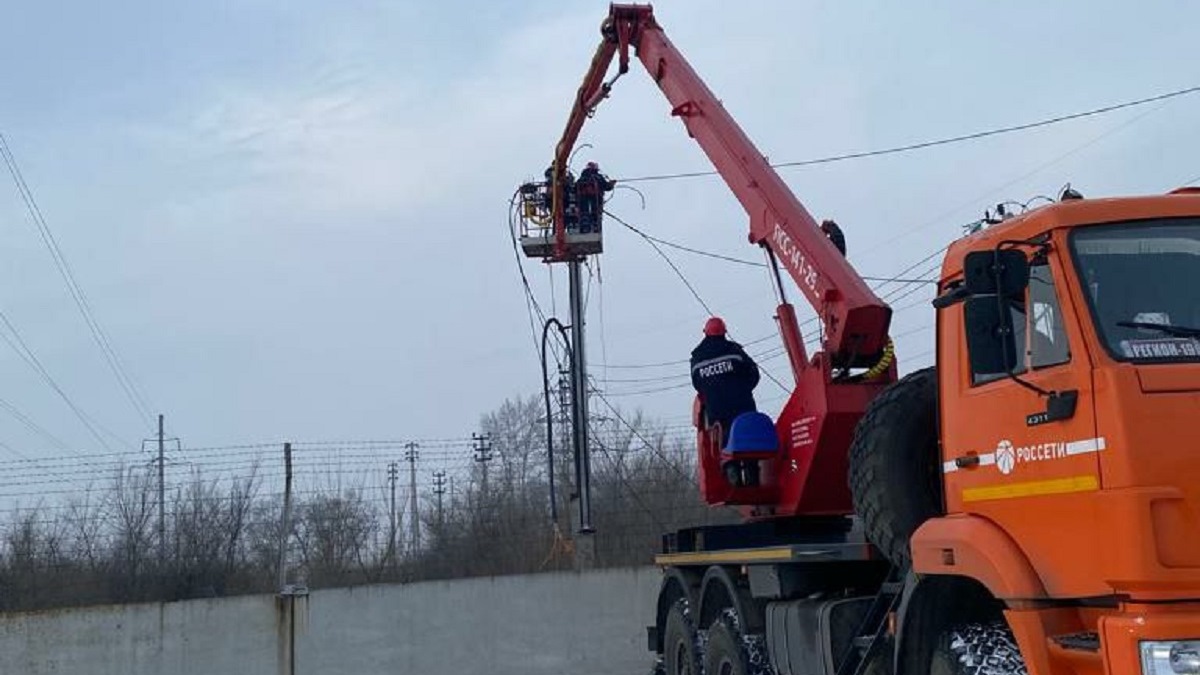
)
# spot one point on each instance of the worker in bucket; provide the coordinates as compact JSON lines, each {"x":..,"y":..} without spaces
{"x":725,"y":377}
{"x":566,"y":194}
{"x":591,"y":188}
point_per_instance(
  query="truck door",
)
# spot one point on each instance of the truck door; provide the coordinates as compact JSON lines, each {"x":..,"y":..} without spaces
{"x":1009,"y":454}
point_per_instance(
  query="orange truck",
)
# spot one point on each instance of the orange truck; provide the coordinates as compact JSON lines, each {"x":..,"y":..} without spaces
{"x":1029,"y":505}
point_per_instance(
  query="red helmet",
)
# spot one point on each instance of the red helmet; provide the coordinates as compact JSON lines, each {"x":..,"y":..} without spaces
{"x":714,"y":326}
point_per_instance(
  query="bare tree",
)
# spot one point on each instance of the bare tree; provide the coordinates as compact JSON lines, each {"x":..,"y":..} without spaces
{"x":223,"y":534}
{"x":133,"y":510}
{"x":333,"y":534}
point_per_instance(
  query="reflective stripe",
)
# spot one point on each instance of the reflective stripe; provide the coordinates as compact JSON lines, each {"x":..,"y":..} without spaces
{"x":775,"y":554}
{"x":719,"y":359}
{"x":1056,"y":486}
{"x":1082,"y":447}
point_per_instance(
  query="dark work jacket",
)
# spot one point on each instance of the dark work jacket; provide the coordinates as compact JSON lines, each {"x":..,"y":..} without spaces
{"x":593,"y":176}
{"x":725,"y":376}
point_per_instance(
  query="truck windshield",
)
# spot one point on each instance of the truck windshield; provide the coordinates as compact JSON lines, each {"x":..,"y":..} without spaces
{"x":1142,"y":281}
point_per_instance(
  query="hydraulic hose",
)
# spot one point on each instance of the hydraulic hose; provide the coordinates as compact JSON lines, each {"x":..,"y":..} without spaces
{"x":885,"y":362}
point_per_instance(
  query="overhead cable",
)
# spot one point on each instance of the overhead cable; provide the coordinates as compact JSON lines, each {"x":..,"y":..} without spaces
{"x":976,"y":135}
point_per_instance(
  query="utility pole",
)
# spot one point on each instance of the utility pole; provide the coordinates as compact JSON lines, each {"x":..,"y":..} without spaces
{"x":483,"y":455}
{"x":393,"y":472}
{"x":585,"y":548}
{"x":285,"y":526}
{"x":159,"y":463}
{"x":162,"y":493}
{"x":439,"y":489}
{"x":410,"y":455}
{"x":570,"y":245}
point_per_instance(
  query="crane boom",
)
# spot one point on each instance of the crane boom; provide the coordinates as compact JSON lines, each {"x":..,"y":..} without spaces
{"x":814,"y":428}
{"x":855,"y":319}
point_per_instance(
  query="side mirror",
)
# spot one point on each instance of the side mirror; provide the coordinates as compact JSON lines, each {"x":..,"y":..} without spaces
{"x":1001,"y":271}
{"x":989,"y":327}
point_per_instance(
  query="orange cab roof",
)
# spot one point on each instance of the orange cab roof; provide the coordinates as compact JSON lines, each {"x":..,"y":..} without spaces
{"x":1180,"y":203}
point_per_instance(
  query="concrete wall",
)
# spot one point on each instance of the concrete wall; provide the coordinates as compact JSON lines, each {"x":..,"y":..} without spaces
{"x":583,"y":624}
{"x":239,"y":635}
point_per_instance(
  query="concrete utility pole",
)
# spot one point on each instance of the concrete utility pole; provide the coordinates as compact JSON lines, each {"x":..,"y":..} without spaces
{"x":162,"y":493}
{"x":159,"y":463}
{"x":585,"y":542}
{"x":410,"y":456}
{"x":285,"y":525}
{"x":439,"y":489}
{"x":393,"y":473}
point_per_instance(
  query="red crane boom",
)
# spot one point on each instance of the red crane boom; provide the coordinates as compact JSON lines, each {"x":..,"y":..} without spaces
{"x":856,"y":320}
{"x":816,"y":424}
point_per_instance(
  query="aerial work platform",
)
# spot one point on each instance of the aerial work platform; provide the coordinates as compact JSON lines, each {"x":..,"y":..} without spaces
{"x":540,"y":243}
{"x":580,"y":207}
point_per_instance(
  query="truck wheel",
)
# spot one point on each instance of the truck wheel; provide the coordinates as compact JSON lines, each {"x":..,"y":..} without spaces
{"x":895,"y":470}
{"x":730,"y":652}
{"x":977,"y":649}
{"x":681,"y":643}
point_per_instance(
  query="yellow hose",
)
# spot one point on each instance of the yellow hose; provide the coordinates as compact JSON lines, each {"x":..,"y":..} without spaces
{"x":885,"y":362}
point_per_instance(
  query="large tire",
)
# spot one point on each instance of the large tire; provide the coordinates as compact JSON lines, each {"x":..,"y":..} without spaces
{"x":895,"y":470}
{"x":730,"y":652}
{"x":681,"y":643}
{"x":978,"y":649}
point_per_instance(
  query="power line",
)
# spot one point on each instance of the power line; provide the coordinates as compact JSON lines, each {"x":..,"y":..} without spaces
{"x":677,"y":362}
{"x":12,"y":451}
{"x":76,"y":291}
{"x":532,"y":307}
{"x":22,"y":349}
{"x":732,"y":259}
{"x":637,"y":498}
{"x":31,"y":425}
{"x":667,"y":259}
{"x":683,"y":278}
{"x":1032,"y":172}
{"x":940,"y":141}
{"x":900,"y":277}
{"x":654,"y":390}
{"x":638,"y":434}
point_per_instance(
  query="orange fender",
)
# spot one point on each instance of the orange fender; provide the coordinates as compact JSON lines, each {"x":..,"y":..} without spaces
{"x":970,"y":546}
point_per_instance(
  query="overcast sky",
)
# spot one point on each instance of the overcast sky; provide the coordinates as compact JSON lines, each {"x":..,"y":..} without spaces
{"x":290,"y":217}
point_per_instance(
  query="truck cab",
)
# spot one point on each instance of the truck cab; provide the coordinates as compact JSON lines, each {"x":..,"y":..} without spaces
{"x":1069,"y":468}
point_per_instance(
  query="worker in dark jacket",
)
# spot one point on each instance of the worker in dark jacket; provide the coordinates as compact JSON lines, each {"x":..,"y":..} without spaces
{"x":591,"y":188}
{"x":724,"y":375}
{"x":566,"y":194}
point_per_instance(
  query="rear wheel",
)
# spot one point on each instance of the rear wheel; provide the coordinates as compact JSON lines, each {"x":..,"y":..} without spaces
{"x":978,"y":649}
{"x":681,"y":644}
{"x":730,"y":652}
{"x":895,"y":472}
